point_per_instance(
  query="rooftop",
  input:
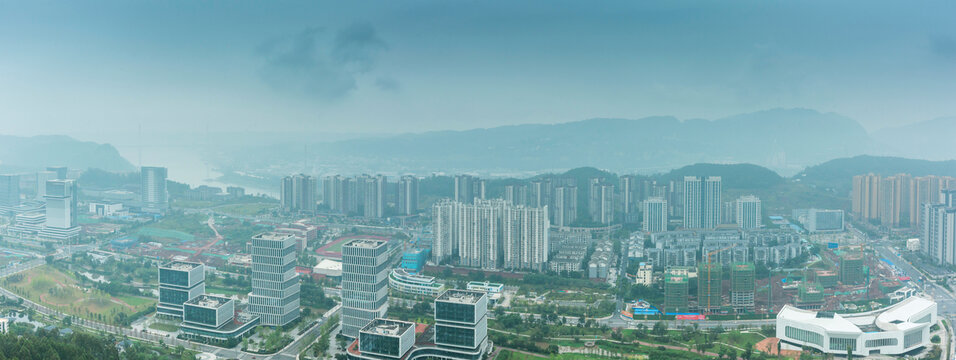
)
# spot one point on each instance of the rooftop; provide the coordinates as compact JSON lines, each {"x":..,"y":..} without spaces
{"x":897,"y":317}
{"x":274,"y":236}
{"x":181,"y":265}
{"x":387,"y":327}
{"x":367,"y":243}
{"x":461,"y":296}
{"x":209,"y":301}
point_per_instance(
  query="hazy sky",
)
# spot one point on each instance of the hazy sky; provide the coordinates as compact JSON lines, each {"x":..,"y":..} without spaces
{"x":87,"y":68}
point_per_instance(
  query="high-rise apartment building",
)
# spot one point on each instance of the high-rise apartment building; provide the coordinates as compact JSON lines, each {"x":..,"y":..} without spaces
{"x":701,"y":202}
{"x":866,"y":196}
{"x":154,"y":195}
{"x":601,"y":202}
{"x":938,"y":228}
{"x":364,"y":284}
{"x":709,"y":286}
{"x":468,"y":187}
{"x":375,"y":196}
{"x":516,"y":194}
{"x":179,"y":282}
{"x":742,"y":286}
{"x":408,"y":188}
{"x":565,"y":208}
{"x":675,"y":292}
{"x":540,"y":193}
{"x":629,"y":194}
{"x":489,"y":233}
{"x":275,"y":284}
{"x":655,"y":215}
{"x":748,"y":212}
{"x":297,"y":194}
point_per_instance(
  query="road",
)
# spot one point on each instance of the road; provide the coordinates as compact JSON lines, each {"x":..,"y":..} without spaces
{"x":290,"y":352}
{"x":945,"y":300}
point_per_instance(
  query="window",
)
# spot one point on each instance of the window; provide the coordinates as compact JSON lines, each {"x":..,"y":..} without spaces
{"x":842,"y":343}
{"x":881,"y":342}
{"x":803,"y":335}
{"x":455,"y":336}
{"x":912,"y":338}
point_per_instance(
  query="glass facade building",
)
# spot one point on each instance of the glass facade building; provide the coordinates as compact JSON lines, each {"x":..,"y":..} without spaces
{"x":179,"y":282}
{"x":275,"y":284}
{"x":364,"y":284}
{"x":461,"y":319}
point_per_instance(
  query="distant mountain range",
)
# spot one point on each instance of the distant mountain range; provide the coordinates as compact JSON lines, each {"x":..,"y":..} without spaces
{"x":785,"y":140}
{"x":931,"y":140}
{"x":20,"y":154}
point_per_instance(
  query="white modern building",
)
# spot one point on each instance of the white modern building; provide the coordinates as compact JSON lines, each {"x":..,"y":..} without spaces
{"x":402,"y":281}
{"x":275,"y":284}
{"x":701,"y":202}
{"x":894,"y":330}
{"x":61,"y":210}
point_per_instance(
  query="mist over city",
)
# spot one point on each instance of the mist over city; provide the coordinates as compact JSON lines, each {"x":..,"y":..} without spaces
{"x":477,"y":180}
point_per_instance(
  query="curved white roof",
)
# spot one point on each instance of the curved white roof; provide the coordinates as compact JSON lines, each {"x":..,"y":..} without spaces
{"x":897,"y":317}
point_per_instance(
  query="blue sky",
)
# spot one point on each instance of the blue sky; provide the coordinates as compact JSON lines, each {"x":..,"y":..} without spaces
{"x":88,"y":68}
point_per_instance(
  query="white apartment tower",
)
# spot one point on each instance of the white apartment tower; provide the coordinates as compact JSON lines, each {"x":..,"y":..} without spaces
{"x":748,"y":212}
{"x":655,"y":215}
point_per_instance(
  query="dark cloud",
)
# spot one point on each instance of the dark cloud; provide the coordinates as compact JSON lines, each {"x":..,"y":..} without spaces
{"x":316,"y":63}
{"x":386,"y":83}
{"x":944,"y":47}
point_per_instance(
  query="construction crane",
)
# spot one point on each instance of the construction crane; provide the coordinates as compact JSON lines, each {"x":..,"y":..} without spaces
{"x":709,"y":268}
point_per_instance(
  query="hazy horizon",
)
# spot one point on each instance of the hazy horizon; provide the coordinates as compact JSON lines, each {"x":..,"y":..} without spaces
{"x":385,"y":68}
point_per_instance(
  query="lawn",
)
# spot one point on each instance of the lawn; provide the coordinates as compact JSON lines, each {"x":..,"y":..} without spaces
{"x":245,"y":209}
{"x":163,"y":327}
{"x":55,"y":289}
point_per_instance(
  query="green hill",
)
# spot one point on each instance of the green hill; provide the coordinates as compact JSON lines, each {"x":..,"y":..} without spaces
{"x":733,"y":176}
{"x":838,"y":173}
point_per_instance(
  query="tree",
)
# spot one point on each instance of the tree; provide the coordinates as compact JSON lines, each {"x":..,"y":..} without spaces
{"x":660,"y":329}
{"x":49,"y":259}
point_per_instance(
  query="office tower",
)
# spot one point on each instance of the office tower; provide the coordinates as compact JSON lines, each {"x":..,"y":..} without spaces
{"x":748,"y":212}
{"x":709,"y":286}
{"x":375,"y":196}
{"x":675,"y":292}
{"x":408,"y":195}
{"x":9,"y":192}
{"x":42,"y":178}
{"x":364,"y":284}
{"x":61,"y":210}
{"x":655,"y":215}
{"x":297,"y":194}
{"x":742,"y":286}
{"x":461,"y":320}
{"x":602,"y":202}
{"x":386,"y":339}
{"x":154,"y":194}
{"x":524,"y":237}
{"x":851,"y":269}
{"x":467,"y":188}
{"x":629,"y":194}
{"x":540,"y":193}
{"x":865,"y":196}
{"x":275,"y":284}
{"x":565,"y":205}
{"x":516,"y":194}
{"x":60,"y":171}
{"x":179,"y":282}
{"x":701,"y":202}
{"x":938,"y":228}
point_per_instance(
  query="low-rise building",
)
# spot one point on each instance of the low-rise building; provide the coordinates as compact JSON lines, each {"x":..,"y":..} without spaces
{"x":212,"y":319}
{"x":410,"y":283}
{"x":645,"y":274}
{"x":894,"y":330}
